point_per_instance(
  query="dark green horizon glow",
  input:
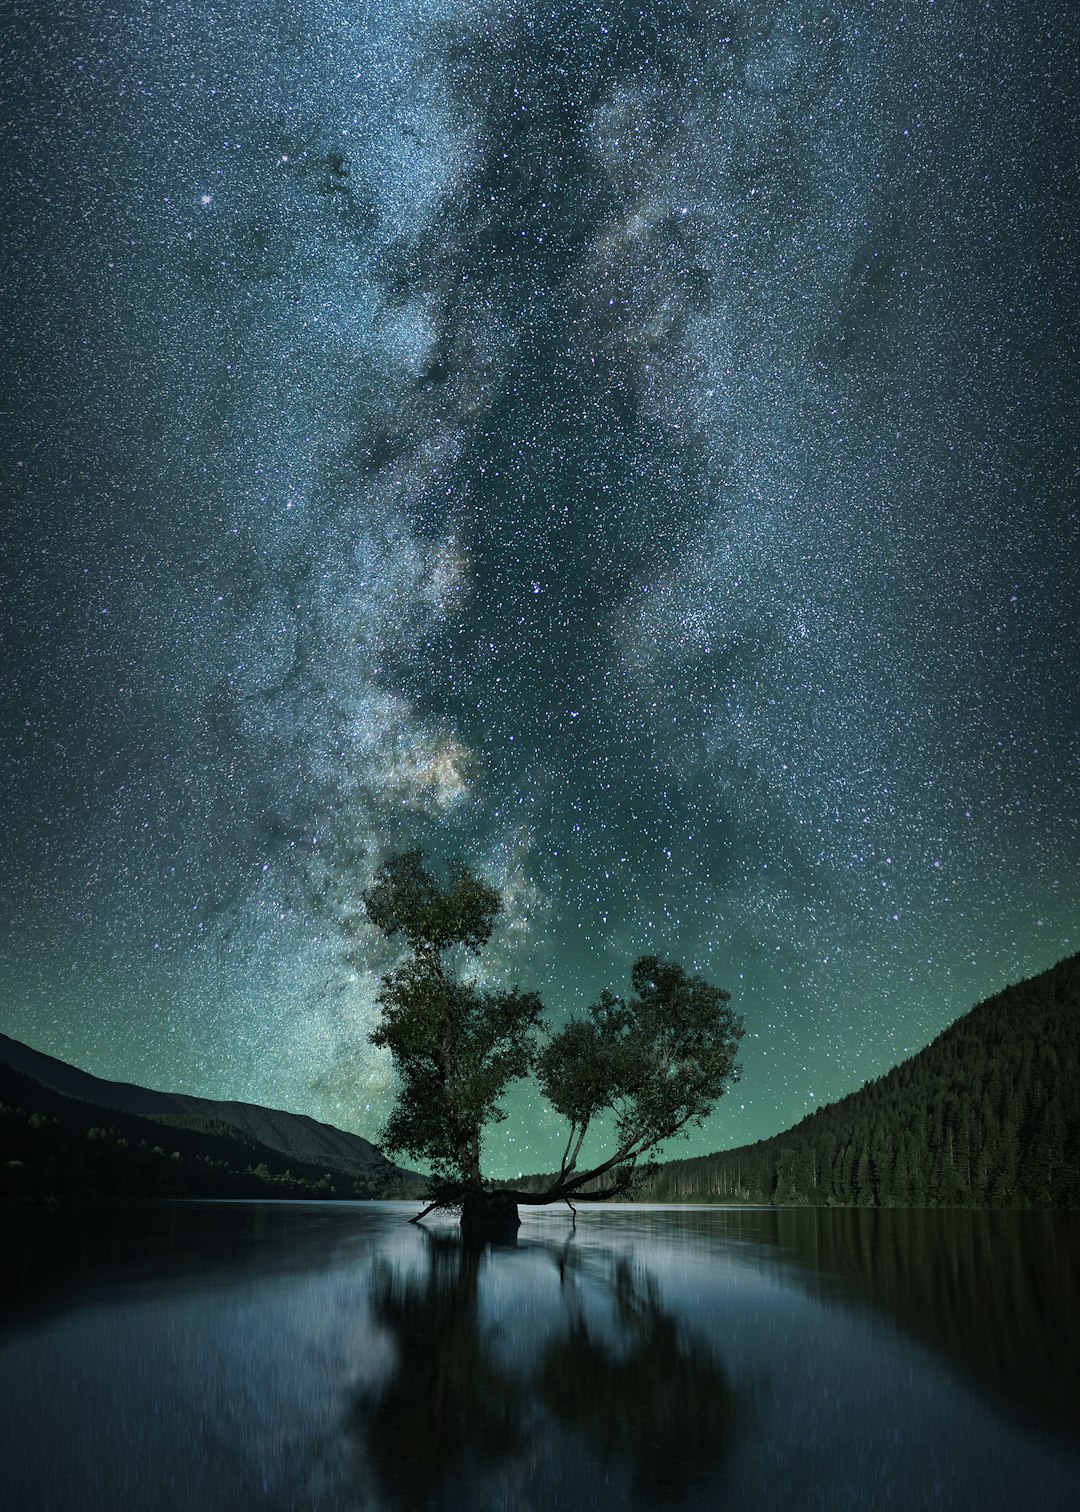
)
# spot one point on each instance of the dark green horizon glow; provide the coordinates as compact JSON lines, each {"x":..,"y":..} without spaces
{"x":633,"y":448}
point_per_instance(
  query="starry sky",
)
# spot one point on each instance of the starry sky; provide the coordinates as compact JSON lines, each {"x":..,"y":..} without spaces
{"x":631,"y":447}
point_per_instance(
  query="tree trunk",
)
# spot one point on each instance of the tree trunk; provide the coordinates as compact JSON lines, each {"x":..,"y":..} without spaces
{"x":489,"y":1215}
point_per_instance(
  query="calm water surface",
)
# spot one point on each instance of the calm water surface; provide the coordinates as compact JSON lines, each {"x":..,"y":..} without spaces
{"x":245,"y":1355}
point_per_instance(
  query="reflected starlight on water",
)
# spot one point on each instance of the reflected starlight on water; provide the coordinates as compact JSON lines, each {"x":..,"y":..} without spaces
{"x":336,"y":1357}
{"x":631,"y":1388}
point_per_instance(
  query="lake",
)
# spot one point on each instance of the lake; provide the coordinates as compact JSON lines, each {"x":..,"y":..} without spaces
{"x":325,"y":1356}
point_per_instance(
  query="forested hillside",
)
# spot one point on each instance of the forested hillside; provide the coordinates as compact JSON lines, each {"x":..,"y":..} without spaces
{"x":53,"y":1146}
{"x":988,"y":1115}
{"x":294,"y":1135}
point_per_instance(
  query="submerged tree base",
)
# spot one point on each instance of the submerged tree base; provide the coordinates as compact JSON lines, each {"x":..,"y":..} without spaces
{"x":489,"y":1215}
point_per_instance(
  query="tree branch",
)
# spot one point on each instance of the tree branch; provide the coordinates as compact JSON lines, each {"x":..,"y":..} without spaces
{"x":565,"y":1183}
{"x":566,"y":1152}
{"x":642,"y":1138}
{"x":577,"y":1149}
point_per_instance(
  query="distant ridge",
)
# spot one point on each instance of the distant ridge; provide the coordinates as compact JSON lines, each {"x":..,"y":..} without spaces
{"x":291,"y":1134}
{"x":988,"y":1115}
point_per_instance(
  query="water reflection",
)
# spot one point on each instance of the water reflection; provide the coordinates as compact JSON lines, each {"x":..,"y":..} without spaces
{"x":329,"y":1358}
{"x":997,"y":1294}
{"x":640,"y":1395}
{"x":653,"y":1398}
{"x":447,"y":1404}
{"x":53,"y":1260}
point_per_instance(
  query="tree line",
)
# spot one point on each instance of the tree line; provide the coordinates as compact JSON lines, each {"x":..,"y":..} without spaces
{"x":988,"y":1115}
{"x":56,"y":1147}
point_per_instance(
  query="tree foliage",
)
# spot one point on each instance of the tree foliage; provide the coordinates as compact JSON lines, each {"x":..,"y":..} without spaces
{"x":456,"y":1047}
{"x":653,"y":1063}
{"x":656,"y":1062}
{"x":433,"y":914}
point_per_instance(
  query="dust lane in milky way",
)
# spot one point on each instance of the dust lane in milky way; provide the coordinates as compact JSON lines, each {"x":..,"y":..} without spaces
{"x":632,"y":448}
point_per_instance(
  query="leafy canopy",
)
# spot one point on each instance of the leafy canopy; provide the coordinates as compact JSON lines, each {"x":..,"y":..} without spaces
{"x":433,"y":914}
{"x":456,"y":1046}
{"x":656,"y":1061}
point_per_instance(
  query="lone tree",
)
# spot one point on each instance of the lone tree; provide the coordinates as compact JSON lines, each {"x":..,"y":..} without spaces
{"x":655,"y":1062}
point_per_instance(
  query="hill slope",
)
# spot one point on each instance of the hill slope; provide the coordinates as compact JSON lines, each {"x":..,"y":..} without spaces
{"x":291,"y":1134}
{"x":52,"y":1146}
{"x":988,"y":1115}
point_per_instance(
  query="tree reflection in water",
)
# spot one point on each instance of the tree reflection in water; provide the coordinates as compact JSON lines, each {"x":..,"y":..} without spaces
{"x":651,"y":1399}
{"x":618,"y":1378}
{"x":448,"y":1404}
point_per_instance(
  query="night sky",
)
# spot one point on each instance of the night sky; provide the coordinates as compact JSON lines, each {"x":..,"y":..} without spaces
{"x":634,"y":449}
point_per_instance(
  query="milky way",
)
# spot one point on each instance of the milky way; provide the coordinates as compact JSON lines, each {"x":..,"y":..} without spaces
{"x":631,"y":448}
